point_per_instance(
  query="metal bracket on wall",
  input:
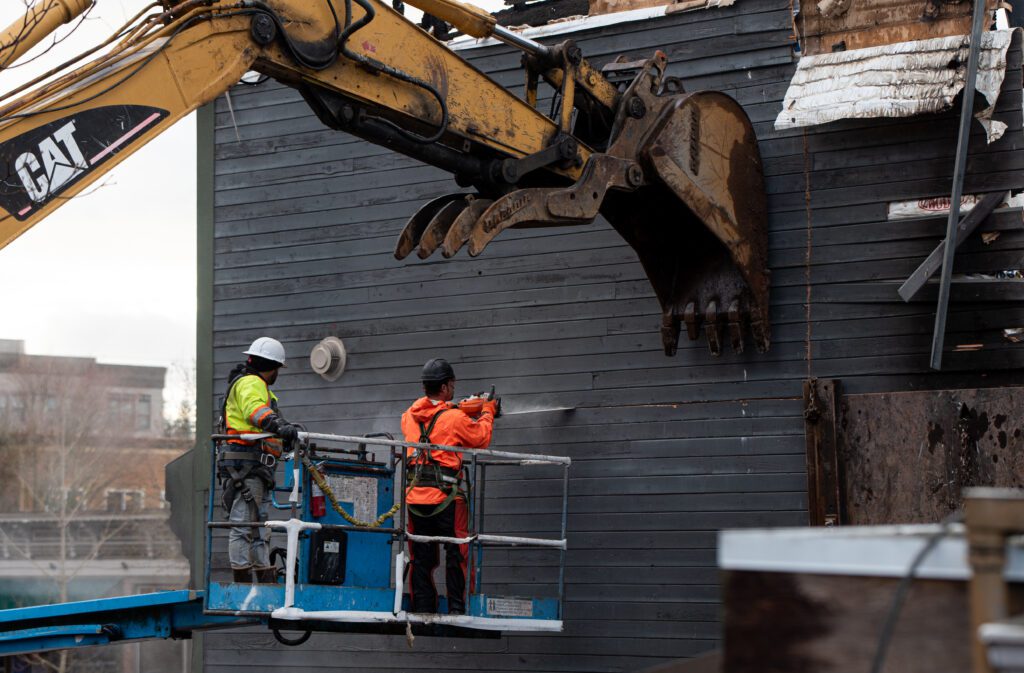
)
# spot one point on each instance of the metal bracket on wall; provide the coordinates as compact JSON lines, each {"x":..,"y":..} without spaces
{"x":824,"y":485}
{"x":967,"y":225}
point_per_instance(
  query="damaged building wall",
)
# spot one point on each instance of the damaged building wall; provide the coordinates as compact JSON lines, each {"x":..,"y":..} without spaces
{"x":667,"y":450}
{"x":895,"y":80}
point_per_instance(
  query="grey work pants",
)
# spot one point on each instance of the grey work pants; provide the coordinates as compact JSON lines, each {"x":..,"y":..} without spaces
{"x":248,"y":548}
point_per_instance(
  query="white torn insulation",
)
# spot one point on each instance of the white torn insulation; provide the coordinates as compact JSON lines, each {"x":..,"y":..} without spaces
{"x":894,"y":80}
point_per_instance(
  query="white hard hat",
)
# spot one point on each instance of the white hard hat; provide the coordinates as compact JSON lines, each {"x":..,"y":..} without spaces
{"x":268,"y":349}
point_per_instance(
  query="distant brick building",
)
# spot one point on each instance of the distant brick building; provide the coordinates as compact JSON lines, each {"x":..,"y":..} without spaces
{"x":82,"y":511}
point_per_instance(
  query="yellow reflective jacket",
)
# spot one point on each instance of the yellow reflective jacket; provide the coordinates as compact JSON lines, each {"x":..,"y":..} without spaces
{"x":250,"y":401}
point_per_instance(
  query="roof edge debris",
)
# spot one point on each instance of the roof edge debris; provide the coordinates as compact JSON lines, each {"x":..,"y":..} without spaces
{"x":894,"y":80}
{"x":574,"y":24}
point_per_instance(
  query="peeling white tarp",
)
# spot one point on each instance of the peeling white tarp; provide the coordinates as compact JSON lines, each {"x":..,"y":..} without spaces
{"x":894,"y":80}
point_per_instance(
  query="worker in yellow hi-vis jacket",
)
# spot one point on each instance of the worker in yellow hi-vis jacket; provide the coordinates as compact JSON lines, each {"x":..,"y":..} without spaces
{"x":246,"y":468}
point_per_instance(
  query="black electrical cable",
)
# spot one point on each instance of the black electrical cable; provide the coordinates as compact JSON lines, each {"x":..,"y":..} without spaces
{"x":340,"y":39}
{"x":303,"y":58}
{"x":556,"y":104}
{"x":292,"y":642}
{"x":135,"y":71}
{"x":373,"y":64}
{"x":889,"y":626}
{"x":258,"y":7}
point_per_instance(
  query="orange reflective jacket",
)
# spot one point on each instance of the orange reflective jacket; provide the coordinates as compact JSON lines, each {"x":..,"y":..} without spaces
{"x":453,"y":428}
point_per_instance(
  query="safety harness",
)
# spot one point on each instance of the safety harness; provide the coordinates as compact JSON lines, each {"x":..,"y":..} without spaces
{"x":429,"y":472}
{"x":236,"y":463}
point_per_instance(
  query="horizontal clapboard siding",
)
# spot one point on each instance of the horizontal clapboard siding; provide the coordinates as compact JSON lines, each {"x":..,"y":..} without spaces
{"x":666,"y":451}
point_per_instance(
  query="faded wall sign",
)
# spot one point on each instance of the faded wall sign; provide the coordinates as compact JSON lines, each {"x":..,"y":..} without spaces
{"x":939,"y":205}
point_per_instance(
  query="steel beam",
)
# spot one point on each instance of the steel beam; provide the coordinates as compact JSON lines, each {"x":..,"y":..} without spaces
{"x":967,"y":225}
{"x":963,"y":140}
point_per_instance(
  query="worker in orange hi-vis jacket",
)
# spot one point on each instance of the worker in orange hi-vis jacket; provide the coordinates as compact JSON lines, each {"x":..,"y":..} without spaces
{"x":436,"y":497}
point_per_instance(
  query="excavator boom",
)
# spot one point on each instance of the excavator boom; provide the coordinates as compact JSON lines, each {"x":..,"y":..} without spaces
{"x":677,"y":174}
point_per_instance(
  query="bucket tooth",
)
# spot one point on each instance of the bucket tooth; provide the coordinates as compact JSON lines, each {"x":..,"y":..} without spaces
{"x":463,"y":225}
{"x":438,"y":228}
{"x":692,"y":321}
{"x":414,"y":228}
{"x":670,"y":332}
{"x":759,"y":328}
{"x":713,"y":328}
{"x":736,"y":326}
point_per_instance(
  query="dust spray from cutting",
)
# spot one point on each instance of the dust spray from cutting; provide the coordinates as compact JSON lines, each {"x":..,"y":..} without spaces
{"x":534,"y":410}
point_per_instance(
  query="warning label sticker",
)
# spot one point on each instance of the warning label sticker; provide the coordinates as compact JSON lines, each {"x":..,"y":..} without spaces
{"x":332,"y":546}
{"x":360,"y":492}
{"x":509,"y":607}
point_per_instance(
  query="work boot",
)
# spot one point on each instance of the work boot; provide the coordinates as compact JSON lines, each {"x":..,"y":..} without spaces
{"x":456,"y":607}
{"x":266,"y":575}
{"x":424,"y":607}
{"x":241,"y":575}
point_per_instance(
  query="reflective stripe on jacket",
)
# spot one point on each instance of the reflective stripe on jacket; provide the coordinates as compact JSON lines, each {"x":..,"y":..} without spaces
{"x":453,"y":428}
{"x":248,"y":403}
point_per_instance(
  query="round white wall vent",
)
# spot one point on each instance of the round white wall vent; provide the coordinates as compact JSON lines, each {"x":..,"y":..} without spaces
{"x":328,"y":358}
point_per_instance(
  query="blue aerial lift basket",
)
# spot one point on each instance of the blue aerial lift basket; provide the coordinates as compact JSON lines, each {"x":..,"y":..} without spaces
{"x":337,"y":576}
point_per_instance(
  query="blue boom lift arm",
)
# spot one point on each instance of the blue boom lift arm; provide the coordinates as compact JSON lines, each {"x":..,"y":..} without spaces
{"x":167,"y":614}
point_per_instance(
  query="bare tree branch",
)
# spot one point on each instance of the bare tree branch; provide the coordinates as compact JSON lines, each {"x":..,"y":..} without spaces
{"x":31,"y":20}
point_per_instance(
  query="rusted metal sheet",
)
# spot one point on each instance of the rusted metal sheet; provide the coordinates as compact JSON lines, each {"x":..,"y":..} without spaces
{"x":906,"y":457}
{"x":824,"y":489}
{"x":827,"y":26}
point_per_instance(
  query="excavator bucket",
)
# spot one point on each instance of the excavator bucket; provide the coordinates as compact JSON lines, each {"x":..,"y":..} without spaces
{"x":680,"y":180}
{"x":699,"y":227}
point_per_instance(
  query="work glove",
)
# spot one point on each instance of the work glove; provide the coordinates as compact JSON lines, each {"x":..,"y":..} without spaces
{"x":493,"y":406}
{"x":288,"y":432}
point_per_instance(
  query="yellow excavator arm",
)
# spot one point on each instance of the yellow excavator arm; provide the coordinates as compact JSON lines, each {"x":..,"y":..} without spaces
{"x":678,"y":175}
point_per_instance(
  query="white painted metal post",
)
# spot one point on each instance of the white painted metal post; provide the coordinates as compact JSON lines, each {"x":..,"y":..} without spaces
{"x":292,"y":527}
{"x":399,"y":581}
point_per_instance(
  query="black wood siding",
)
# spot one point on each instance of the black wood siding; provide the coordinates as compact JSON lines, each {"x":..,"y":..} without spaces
{"x":667,"y":450}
